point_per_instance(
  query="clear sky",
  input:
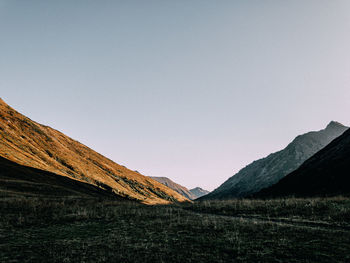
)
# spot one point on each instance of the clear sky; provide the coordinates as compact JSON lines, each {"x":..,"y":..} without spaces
{"x":193,"y":90}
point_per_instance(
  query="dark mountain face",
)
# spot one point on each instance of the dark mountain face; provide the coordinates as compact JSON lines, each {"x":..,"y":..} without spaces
{"x":199,"y":192}
{"x":269,"y":170}
{"x":324,"y":174}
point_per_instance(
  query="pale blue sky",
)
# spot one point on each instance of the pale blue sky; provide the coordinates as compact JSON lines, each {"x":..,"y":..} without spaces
{"x":191,"y":90}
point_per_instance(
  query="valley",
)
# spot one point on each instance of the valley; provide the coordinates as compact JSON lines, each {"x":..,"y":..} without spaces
{"x":90,"y":230}
{"x":175,"y":131}
{"x":60,"y":201}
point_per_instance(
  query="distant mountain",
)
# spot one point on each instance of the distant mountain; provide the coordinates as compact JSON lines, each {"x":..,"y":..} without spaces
{"x":190,"y":194}
{"x":324,"y":174}
{"x":31,"y":144}
{"x":269,"y":170}
{"x":199,"y":192}
{"x":176,"y":187}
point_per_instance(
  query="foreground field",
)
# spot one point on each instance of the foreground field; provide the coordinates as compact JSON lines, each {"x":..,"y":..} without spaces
{"x":73,"y":230}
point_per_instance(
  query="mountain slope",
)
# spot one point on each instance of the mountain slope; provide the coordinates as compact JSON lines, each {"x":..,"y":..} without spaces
{"x":199,"y":192}
{"x":19,"y":180}
{"x":269,"y":170}
{"x":190,"y":194}
{"x":325,"y":173}
{"x":28,"y":143}
{"x":176,"y":187}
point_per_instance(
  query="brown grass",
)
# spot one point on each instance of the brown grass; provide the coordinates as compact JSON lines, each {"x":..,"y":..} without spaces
{"x":88,"y":230}
{"x":32,"y":144}
{"x":333,"y":209}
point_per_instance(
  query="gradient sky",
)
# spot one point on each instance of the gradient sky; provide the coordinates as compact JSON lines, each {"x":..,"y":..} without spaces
{"x":191,"y":90}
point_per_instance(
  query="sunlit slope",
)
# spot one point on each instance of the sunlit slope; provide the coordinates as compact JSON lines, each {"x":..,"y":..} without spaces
{"x":31,"y":144}
{"x":190,"y":194}
{"x":176,"y":187}
{"x":21,"y":181}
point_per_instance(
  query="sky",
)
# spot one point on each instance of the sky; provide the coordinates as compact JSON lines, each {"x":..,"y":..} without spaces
{"x":193,"y":90}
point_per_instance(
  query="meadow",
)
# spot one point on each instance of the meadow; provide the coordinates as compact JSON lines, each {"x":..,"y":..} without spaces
{"x":36,"y":229}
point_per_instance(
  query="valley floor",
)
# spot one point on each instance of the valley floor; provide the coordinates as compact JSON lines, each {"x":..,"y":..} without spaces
{"x":73,"y":230}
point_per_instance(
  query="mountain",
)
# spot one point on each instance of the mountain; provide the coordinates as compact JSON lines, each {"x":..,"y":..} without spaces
{"x":199,"y":192}
{"x":269,"y":170}
{"x":190,"y":194}
{"x":18,"y":180}
{"x":31,"y":144}
{"x":176,"y":187}
{"x":324,"y":174}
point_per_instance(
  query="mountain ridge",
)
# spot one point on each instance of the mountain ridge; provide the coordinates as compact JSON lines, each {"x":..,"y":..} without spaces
{"x":29,"y":143}
{"x":326,"y":173}
{"x":190,"y":194}
{"x":175,"y":186}
{"x":199,"y":192}
{"x":269,"y":170}
{"x":22,"y":181}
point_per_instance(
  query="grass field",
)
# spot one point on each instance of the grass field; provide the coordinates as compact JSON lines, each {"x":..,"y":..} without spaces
{"x":89,"y":230}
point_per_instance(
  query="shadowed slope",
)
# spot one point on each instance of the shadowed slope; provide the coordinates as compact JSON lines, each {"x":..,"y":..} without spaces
{"x":19,"y":180}
{"x":269,"y":170}
{"x":325,"y":173}
{"x":31,"y":144}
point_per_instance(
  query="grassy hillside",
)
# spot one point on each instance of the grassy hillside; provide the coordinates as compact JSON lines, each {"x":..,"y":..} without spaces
{"x":29,"y":143}
{"x":21,"y":181}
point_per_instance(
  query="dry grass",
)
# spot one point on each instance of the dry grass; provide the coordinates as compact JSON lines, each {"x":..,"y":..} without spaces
{"x":29,"y":143}
{"x":88,"y":230}
{"x":332,"y":210}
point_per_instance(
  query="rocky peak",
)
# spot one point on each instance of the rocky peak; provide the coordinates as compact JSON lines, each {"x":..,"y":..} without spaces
{"x":334,"y":125}
{"x":269,"y":170}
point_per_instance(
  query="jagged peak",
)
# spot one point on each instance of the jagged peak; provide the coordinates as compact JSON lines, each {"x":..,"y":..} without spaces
{"x":198,"y":188}
{"x":335,"y":124}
